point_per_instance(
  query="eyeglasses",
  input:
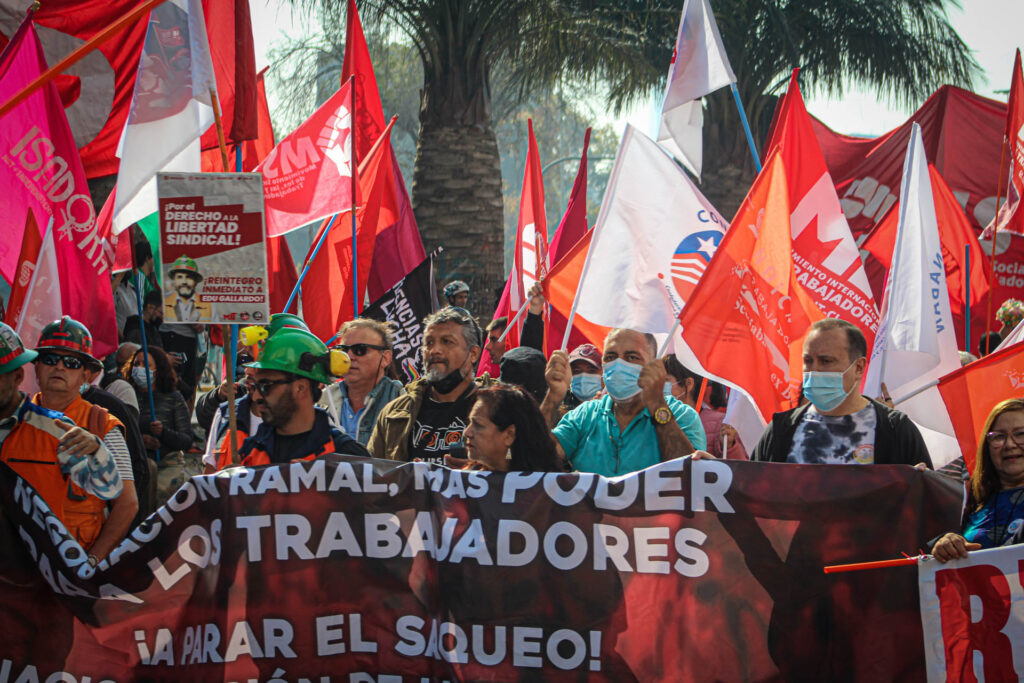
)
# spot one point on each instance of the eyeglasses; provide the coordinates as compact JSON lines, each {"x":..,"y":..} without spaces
{"x":265,"y":385}
{"x":250,"y":387}
{"x":998,"y":439}
{"x":70,"y":362}
{"x":359,"y":350}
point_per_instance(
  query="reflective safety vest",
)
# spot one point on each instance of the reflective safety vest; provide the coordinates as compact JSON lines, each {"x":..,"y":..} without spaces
{"x":84,"y":513}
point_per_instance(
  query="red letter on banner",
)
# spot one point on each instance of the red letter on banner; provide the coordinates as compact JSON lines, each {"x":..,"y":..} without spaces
{"x":963,"y":636}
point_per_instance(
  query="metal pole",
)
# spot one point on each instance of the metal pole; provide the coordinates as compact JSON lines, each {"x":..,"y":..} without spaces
{"x":142,"y":332}
{"x":746,"y":126}
{"x":967,"y":298}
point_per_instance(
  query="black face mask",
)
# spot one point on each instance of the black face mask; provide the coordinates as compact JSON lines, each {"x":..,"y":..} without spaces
{"x":157,"y":322}
{"x":447,"y":384}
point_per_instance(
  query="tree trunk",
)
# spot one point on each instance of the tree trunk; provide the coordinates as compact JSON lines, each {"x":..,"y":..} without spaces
{"x":456,"y":190}
{"x":456,"y":195}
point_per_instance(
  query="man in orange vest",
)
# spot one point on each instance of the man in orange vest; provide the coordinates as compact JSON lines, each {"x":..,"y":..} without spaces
{"x":30,"y":445}
{"x":65,"y":353}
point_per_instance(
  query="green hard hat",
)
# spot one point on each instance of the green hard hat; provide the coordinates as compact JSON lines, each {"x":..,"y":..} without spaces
{"x":13,"y":353}
{"x":186,"y":265}
{"x":285,"y":321}
{"x":68,"y":334}
{"x":298,"y":352}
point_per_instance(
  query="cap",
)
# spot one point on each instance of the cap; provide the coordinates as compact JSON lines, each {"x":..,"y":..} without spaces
{"x":588,"y":353}
{"x":13,"y":353}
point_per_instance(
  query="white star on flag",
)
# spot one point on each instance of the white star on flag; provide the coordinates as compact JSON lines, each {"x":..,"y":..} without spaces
{"x":707,"y":246}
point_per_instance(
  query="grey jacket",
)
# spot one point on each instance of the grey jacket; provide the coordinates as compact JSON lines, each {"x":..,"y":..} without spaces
{"x":334,"y":396}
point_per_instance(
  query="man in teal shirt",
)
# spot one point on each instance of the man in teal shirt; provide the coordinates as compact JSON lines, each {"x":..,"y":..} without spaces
{"x":635,"y":425}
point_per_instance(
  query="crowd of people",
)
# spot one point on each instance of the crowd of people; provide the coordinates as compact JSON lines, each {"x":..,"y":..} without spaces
{"x":89,"y":441}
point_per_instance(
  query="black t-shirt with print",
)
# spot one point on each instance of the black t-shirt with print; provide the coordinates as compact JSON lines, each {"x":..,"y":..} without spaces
{"x":439,"y":427}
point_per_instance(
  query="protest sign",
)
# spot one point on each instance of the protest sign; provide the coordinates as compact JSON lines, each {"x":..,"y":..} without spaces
{"x":405,"y":305}
{"x":213,"y":246}
{"x":972,"y":612}
{"x":352,"y":569}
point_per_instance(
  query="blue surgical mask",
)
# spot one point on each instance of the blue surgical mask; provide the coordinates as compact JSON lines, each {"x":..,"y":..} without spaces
{"x":825,"y":389}
{"x":139,"y":377}
{"x":585,"y":385}
{"x":620,"y":379}
{"x":668,"y":388}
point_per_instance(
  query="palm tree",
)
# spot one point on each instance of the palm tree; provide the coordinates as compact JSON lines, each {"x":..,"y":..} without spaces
{"x":903,"y":49}
{"x":622,"y":48}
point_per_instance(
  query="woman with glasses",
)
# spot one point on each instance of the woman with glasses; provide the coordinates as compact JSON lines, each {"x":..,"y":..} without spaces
{"x":171,"y":430}
{"x":994,"y":515}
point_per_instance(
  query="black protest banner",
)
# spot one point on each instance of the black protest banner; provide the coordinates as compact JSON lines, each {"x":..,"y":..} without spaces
{"x":405,"y":305}
{"x":350,"y":569}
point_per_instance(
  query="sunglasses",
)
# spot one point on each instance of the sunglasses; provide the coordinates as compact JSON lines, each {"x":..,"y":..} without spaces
{"x":265,"y":385}
{"x":70,"y":362}
{"x":359,"y":350}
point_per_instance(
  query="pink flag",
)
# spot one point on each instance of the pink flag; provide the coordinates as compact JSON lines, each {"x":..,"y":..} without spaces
{"x":42,"y":172}
{"x":308,"y":175}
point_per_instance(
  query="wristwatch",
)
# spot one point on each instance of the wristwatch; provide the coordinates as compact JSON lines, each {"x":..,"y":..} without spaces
{"x":662,"y":415}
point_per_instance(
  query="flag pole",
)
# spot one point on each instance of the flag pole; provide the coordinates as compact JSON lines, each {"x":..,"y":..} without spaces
{"x":967,"y":298}
{"x":700,"y":394}
{"x":746,"y":127}
{"x":513,"y":321}
{"x":78,"y":54}
{"x":668,"y":339}
{"x":992,"y":256}
{"x":230,"y":331}
{"x":142,"y":333}
{"x":859,"y":566}
{"x":355,"y":182}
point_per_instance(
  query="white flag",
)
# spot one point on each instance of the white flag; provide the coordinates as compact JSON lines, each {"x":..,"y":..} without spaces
{"x":653,"y":238}
{"x":42,"y":303}
{"x":170,"y":108}
{"x":916,"y":344}
{"x":699,"y":66}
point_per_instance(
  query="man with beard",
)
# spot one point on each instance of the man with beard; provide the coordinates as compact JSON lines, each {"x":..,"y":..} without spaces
{"x":286,"y":387}
{"x":152,"y":318}
{"x":428,"y":421}
{"x":183,"y":305}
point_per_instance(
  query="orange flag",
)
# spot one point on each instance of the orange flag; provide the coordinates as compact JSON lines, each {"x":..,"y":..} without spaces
{"x":971,"y":393}
{"x":823,"y":247}
{"x":746,"y":319}
{"x":560,"y":289}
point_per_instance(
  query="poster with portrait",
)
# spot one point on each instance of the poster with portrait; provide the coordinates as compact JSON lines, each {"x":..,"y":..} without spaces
{"x":212,"y":239}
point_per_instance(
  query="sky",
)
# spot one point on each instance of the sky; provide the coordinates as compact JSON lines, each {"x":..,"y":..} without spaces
{"x":991,"y":28}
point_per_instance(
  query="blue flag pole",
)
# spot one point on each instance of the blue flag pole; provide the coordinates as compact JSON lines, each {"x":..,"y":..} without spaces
{"x":967,"y":298}
{"x":746,"y":126}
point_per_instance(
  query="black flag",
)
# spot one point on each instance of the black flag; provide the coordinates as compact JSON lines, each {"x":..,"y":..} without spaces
{"x":405,"y":305}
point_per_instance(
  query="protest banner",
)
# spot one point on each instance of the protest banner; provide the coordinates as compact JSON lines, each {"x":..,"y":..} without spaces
{"x":355,"y":569}
{"x":405,"y":306}
{"x":213,"y":243}
{"x":972,"y":614}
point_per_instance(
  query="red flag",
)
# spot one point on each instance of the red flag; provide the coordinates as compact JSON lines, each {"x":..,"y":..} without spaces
{"x":1010,"y":216}
{"x":955,"y":231}
{"x":746,"y":318}
{"x":327,"y":299}
{"x":308,"y":175}
{"x":30,"y":246}
{"x":399,"y":247}
{"x":98,"y":111}
{"x":531,"y":250}
{"x":560,"y":290}
{"x":570,"y":231}
{"x":229,"y":29}
{"x":971,"y":393}
{"x":253,"y":151}
{"x":43,"y":174}
{"x":828,"y":262}
{"x":281,"y":275}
